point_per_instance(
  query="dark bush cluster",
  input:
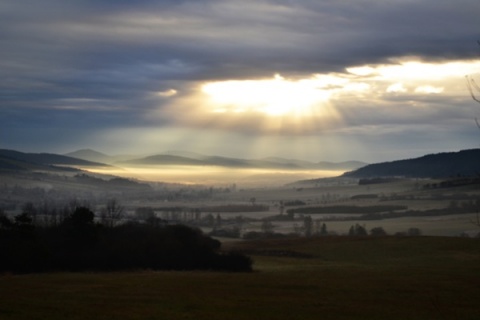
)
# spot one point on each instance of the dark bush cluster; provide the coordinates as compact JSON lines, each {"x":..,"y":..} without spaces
{"x":80,"y":244}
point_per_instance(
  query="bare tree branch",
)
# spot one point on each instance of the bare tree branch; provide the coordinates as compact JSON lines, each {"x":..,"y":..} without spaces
{"x":112,"y":213}
{"x":473,"y":88}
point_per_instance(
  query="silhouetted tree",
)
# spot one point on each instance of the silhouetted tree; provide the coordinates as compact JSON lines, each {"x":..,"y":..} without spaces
{"x":24,"y":223}
{"x":378,"y":232}
{"x":218,"y":220}
{"x":78,"y":244}
{"x":111,"y":213}
{"x":20,"y":250}
{"x":351,"y":231}
{"x":30,"y":209}
{"x":308,"y":226}
{"x":79,"y":230}
{"x":357,"y":230}
{"x":414,"y":232}
{"x":323,"y":230}
{"x":5,"y":222}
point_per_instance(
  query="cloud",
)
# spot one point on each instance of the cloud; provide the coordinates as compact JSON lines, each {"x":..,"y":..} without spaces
{"x":407,"y":91}
{"x":429,"y":89}
{"x":396,"y":87}
{"x":114,"y":65}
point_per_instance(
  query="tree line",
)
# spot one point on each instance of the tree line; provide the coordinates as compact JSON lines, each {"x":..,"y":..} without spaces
{"x":80,"y":243}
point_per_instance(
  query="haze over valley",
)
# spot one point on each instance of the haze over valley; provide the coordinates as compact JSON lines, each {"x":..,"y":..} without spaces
{"x":415,"y":191}
{"x":239,"y":159}
{"x":193,"y":168}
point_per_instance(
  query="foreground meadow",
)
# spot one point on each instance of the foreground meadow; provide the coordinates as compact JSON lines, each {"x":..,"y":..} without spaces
{"x":323,"y":278}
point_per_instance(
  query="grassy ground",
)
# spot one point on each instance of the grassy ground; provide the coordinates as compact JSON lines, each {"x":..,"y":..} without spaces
{"x":342,"y":278}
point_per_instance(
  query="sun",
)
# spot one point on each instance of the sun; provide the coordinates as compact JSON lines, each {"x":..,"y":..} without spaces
{"x":275,"y":97}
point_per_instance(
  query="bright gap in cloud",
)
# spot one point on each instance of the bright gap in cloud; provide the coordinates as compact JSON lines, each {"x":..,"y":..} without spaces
{"x":321,"y":102}
{"x":307,"y":96}
{"x":273,"y":97}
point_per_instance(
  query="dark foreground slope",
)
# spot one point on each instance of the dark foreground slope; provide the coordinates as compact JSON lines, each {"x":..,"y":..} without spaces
{"x":441,"y":165}
{"x":345,"y":278}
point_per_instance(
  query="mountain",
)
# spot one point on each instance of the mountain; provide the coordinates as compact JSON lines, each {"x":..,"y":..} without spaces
{"x":11,"y":163}
{"x":269,"y":162}
{"x":186,"y":154}
{"x":95,"y":156}
{"x":90,"y":155}
{"x":168,"y":159}
{"x":227,"y":162}
{"x":441,"y":165}
{"x":346,"y":165}
{"x":163,"y":159}
{"x":194,"y":159}
{"x":15,"y":160}
{"x":292,"y":163}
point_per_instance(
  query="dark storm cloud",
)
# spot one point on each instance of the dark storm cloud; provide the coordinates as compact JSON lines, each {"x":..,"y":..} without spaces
{"x":139,"y":45}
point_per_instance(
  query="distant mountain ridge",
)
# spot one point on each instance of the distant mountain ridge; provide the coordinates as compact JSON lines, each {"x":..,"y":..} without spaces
{"x":178,"y":157}
{"x":95,"y":156}
{"x":440,"y":165}
{"x":163,"y":159}
{"x":16,"y":160}
{"x":271,"y":162}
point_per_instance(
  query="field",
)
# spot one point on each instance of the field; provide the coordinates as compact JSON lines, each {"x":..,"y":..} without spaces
{"x":299,"y":278}
{"x":410,"y":192}
{"x":48,"y":191}
{"x":328,"y":277}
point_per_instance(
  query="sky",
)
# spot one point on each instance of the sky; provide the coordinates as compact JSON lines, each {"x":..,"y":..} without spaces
{"x":323,"y":80}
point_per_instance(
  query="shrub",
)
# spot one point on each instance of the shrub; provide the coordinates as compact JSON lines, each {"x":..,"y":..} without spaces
{"x":414,"y":232}
{"x":378,"y":232}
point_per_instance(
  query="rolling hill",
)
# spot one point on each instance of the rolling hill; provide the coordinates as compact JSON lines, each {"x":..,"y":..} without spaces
{"x":15,"y":160}
{"x":228,"y":162}
{"x":95,"y":156}
{"x":442,"y":165}
{"x":163,"y":159}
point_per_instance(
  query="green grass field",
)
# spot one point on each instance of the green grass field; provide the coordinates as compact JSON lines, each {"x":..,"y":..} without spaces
{"x":332,"y":278}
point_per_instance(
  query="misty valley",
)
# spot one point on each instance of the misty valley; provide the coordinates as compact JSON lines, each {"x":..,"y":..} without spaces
{"x":252,"y":224}
{"x":240,"y":197}
{"x":240,"y":160}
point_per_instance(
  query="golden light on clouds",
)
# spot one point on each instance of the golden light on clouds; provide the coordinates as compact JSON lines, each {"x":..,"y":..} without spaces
{"x":273,"y":97}
{"x":396,"y":87}
{"x":429,"y":89}
{"x":315,"y":102}
{"x":167,"y":93}
{"x":272,"y":105}
{"x":279,"y":104}
{"x":414,"y":69}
